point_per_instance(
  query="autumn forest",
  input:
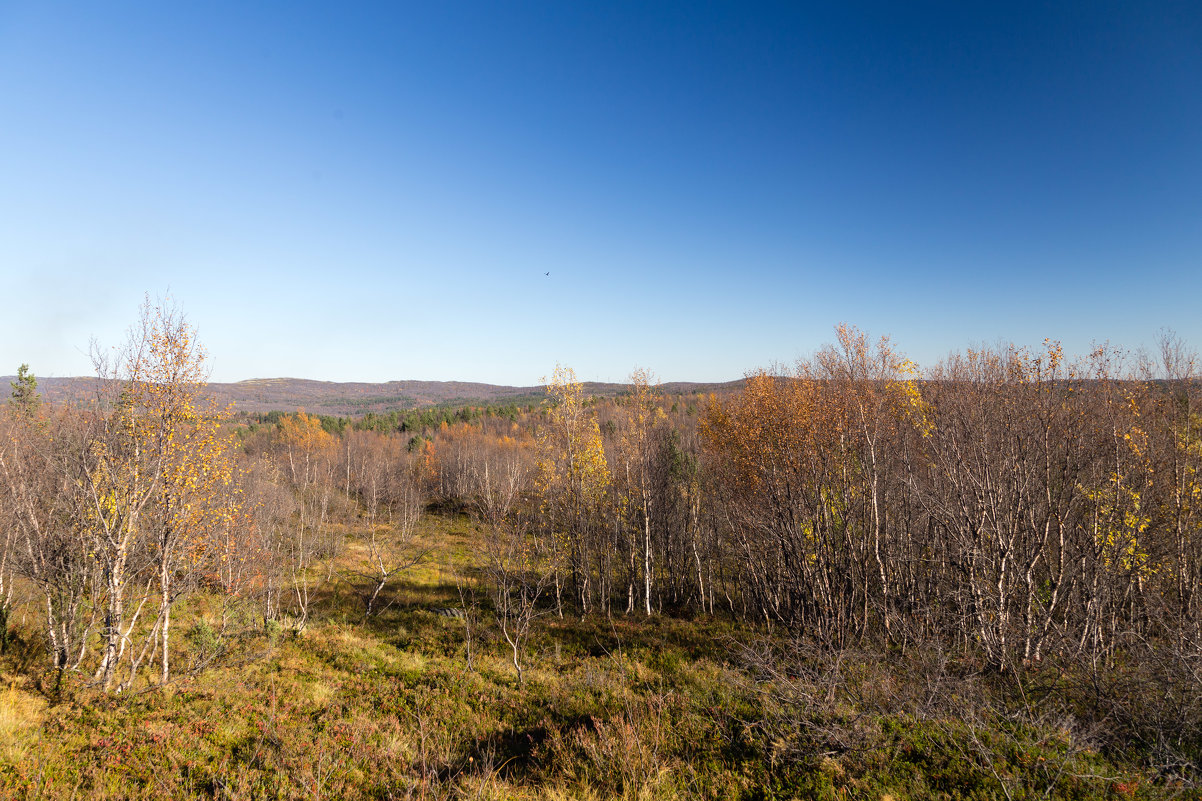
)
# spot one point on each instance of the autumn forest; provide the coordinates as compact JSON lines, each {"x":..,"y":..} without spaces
{"x":852,"y":577}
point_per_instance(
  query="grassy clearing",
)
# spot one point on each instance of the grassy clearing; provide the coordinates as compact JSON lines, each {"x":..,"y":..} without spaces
{"x":628,"y":708}
{"x":21,"y":714}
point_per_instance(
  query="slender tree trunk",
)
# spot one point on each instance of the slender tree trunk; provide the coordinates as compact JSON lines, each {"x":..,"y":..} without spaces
{"x":647,"y":552}
{"x":165,"y":613}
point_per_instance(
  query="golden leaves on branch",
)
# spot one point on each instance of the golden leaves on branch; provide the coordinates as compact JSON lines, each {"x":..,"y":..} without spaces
{"x":571,"y":449}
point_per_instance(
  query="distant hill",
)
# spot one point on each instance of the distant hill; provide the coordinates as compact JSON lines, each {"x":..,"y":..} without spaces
{"x":357,"y":398}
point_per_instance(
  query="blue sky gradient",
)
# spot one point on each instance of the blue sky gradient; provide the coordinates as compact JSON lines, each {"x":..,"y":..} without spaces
{"x":376,"y":192}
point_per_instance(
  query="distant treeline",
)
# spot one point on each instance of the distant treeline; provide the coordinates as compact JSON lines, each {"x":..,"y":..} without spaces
{"x":417,"y":422}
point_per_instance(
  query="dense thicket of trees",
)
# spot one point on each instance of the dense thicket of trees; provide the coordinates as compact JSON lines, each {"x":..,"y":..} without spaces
{"x":1011,"y":502}
{"x":1015,"y":506}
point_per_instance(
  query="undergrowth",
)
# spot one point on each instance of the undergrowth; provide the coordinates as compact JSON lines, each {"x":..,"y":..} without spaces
{"x":632,"y":708}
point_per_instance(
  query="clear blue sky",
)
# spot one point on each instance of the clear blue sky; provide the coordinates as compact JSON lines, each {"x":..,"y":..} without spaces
{"x":357,"y":192}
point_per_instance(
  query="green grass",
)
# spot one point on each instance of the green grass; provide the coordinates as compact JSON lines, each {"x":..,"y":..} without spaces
{"x":626,"y":708}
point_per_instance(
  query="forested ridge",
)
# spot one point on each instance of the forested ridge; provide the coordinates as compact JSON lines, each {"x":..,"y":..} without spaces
{"x":852,"y":577}
{"x":354,"y":399}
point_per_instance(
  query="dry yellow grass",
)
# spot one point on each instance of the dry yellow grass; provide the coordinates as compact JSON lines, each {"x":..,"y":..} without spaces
{"x":20,"y":719}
